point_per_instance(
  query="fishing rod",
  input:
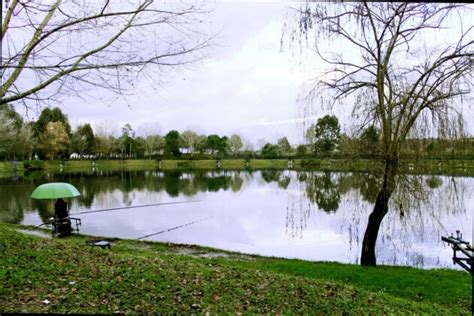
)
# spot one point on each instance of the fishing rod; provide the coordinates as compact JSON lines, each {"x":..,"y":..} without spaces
{"x":121,"y":208}
{"x":137,"y":206}
{"x":174,"y":228}
{"x":31,"y":228}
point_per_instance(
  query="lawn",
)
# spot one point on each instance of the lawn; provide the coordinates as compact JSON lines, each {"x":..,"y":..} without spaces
{"x":65,"y":275}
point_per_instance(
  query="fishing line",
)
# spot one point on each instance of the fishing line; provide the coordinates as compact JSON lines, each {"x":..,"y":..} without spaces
{"x":121,"y":208}
{"x":137,"y":206}
{"x":174,"y":228}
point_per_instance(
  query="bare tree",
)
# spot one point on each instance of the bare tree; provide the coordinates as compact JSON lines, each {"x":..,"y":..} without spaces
{"x":400,"y":77}
{"x":52,"y":48}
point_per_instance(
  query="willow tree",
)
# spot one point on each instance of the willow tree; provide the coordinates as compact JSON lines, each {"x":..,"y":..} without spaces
{"x":390,"y":61}
{"x":73,"y":47}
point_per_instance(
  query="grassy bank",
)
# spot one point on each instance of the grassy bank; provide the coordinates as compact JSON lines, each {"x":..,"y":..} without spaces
{"x":154,"y":277}
{"x":450,"y":167}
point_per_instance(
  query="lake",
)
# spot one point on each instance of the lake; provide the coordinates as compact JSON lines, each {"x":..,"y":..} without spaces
{"x":317,"y":216}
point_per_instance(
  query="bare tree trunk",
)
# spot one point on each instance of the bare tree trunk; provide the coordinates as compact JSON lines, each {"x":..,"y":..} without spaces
{"x":368,"y":257}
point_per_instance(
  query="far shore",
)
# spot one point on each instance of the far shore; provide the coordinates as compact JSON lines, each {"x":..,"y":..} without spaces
{"x":450,"y":167}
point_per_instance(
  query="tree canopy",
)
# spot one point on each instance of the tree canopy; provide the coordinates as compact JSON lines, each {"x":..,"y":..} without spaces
{"x":49,"y":115}
{"x":55,"y":140}
{"x":326,"y":133}
{"x":172,"y":143}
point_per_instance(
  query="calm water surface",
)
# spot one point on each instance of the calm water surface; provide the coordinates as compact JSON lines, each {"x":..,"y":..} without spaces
{"x":307,"y":215}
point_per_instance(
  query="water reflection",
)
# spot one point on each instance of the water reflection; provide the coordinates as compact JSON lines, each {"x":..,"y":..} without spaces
{"x":307,"y":215}
{"x":422,"y":209}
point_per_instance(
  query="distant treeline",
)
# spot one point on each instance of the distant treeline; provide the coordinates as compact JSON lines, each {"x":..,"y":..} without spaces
{"x":51,"y":137}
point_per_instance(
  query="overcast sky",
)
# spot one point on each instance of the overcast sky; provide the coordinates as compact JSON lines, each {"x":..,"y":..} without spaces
{"x":246,"y":85}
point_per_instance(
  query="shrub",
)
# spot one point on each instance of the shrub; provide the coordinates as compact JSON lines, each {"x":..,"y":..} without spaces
{"x":33,"y":165}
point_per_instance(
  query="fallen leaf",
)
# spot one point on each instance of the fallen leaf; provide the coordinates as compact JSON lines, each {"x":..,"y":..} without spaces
{"x":216,"y":297}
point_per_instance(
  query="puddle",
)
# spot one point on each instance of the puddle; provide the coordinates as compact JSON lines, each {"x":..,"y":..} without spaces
{"x":34,"y":233}
{"x":136,"y":247}
{"x":202,"y":254}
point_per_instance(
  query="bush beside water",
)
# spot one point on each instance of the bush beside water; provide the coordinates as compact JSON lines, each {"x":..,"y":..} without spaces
{"x":31,"y":165}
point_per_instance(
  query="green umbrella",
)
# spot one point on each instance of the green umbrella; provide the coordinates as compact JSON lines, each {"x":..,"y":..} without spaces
{"x":55,"y":190}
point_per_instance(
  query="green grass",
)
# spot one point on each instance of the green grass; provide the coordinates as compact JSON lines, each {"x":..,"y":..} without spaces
{"x":438,"y":286}
{"x":152,"y":277}
{"x":7,"y":167}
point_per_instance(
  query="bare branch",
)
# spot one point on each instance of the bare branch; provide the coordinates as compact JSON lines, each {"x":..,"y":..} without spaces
{"x":104,"y":42}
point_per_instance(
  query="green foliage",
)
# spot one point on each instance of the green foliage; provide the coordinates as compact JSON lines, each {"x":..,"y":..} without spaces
{"x":213,"y":142}
{"x":172,"y":143}
{"x":83,"y":140}
{"x":33,"y":165}
{"x":284,"y":145}
{"x":55,"y":140}
{"x":127,"y":141}
{"x":140,"y":147}
{"x":187,"y":140}
{"x":201,"y":144}
{"x":24,"y":142}
{"x":15,"y":136}
{"x":11,"y":115}
{"x":326,"y":133}
{"x":39,"y":129}
{"x":310,"y":135}
{"x":235,"y":144}
{"x":269,"y":151}
{"x":223,"y":146}
{"x":218,"y":144}
{"x":370,"y":139}
{"x":50,"y":116}
{"x":301,"y":151}
{"x":7,"y":134}
{"x":154,"y":145}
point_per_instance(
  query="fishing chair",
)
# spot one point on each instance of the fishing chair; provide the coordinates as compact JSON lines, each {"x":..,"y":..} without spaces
{"x":62,"y":226}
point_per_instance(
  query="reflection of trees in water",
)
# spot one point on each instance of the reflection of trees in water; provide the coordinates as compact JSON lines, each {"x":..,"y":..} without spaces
{"x":320,"y":188}
{"x":298,"y":208}
{"x":12,"y":205}
{"x":323,"y":189}
{"x":15,"y":196}
{"x":236,"y":182}
{"x":102,"y":184}
{"x":271,"y":175}
{"x":284,"y":182}
{"x":278,"y":176}
{"x":45,"y":209}
{"x":173,"y":183}
{"x":416,"y":216}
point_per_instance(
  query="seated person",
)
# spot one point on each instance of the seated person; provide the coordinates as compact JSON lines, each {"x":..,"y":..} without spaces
{"x":63,"y":224}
